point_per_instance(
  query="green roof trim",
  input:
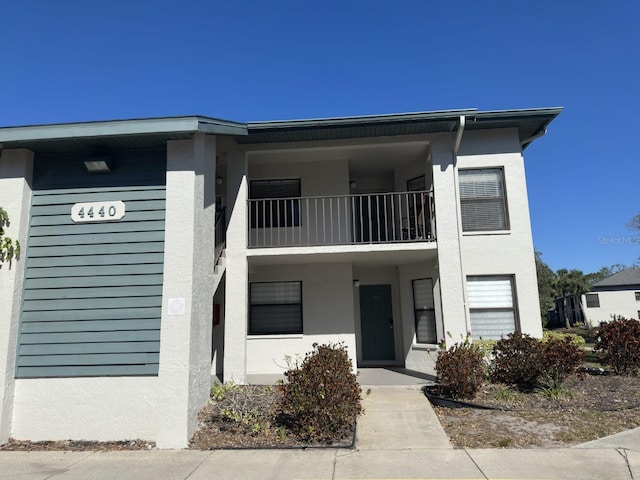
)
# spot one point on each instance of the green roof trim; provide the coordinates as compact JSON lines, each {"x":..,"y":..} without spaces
{"x":155,"y":132}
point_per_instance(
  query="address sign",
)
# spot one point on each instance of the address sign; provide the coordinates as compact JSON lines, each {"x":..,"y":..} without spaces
{"x":97,"y":211}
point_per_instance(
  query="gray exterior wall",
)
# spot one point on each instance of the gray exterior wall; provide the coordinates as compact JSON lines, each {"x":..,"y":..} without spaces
{"x":93,"y":291}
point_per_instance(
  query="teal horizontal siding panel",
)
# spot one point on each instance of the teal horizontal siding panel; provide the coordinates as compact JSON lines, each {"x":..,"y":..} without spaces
{"x":69,"y":348}
{"x":97,"y":292}
{"x":91,"y":314}
{"x":65,"y":208}
{"x":91,"y":348}
{"x":92,"y":249}
{"x":90,"y":239}
{"x":81,"y":304}
{"x":88,"y":260}
{"x":94,"y":281}
{"x":93,"y":290}
{"x":146,"y":370}
{"x":90,"y":337}
{"x":120,"y":358}
{"x":47,"y":198}
{"x":65,"y":219}
{"x":57,"y":272}
{"x":89,"y":325}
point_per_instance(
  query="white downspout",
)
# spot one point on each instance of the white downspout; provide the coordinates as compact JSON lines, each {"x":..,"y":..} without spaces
{"x":456,"y":147}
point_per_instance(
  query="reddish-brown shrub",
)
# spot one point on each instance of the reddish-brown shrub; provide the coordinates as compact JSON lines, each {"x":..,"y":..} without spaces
{"x":516,"y":361}
{"x":560,"y":357}
{"x":618,"y":342}
{"x":460,"y":370}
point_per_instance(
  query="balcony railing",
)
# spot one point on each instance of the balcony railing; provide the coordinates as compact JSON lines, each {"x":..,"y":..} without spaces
{"x":342,"y":220}
{"x":220,"y":235}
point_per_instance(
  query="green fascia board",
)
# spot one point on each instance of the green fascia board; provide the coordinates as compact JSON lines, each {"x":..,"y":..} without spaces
{"x":113,"y":128}
{"x":442,"y":115}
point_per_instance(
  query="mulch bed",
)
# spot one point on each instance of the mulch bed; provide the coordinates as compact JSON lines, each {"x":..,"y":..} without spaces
{"x":598,"y":406}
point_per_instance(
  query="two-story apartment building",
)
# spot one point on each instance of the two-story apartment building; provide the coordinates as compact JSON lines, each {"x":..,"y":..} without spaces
{"x":157,"y":252}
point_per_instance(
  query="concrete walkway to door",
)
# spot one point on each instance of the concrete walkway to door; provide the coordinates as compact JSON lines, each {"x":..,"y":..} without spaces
{"x":397,"y":414}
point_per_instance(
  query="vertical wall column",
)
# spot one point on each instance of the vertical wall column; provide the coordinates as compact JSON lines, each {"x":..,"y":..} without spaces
{"x":237,"y":275}
{"x":185,"y":340}
{"x":16,"y":171}
{"x":451,"y":279}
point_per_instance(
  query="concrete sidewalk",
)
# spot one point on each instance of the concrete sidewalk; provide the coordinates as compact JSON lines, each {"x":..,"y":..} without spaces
{"x":398,"y":437}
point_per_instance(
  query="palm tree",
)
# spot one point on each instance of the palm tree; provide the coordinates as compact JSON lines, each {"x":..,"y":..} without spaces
{"x":571,"y":283}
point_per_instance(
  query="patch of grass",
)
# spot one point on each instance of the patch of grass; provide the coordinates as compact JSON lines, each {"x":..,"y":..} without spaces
{"x":503,"y":443}
{"x":504,"y":394}
{"x":556,"y":393}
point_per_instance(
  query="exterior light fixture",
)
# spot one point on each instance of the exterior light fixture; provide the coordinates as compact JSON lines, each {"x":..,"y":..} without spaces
{"x":98,"y":165}
{"x":352,"y":184}
{"x":356,"y":283}
{"x":219,"y":180}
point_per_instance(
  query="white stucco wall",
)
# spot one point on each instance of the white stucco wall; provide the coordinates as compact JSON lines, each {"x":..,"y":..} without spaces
{"x":620,"y":302}
{"x":96,"y":408}
{"x":327,"y":294}
{"x":418,"y":357}
{"x":16,"y":171}
{"x":185,"y":337}
{"x":508,"y":252}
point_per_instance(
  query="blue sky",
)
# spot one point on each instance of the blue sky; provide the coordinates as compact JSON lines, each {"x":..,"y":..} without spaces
{"x":74,"y":60}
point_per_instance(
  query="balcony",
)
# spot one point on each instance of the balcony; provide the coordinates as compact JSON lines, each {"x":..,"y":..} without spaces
{"x":342,"y":220}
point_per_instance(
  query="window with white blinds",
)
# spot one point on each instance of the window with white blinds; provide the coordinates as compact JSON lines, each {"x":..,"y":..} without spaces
{"x":275,"y":308}
{"x":491,"y":306}
{"x":482,"y":200}
{"x":423,"y":307}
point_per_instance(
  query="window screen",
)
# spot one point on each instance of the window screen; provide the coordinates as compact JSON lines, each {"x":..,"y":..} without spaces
{"x":491,"y":307}
{"x":482,"y":201}
{"x":275,"y":308}
{"x":425,"y":317}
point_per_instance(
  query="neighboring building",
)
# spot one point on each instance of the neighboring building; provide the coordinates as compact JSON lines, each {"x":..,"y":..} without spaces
{"x":158,"y":252}
{"x":617,"y":295}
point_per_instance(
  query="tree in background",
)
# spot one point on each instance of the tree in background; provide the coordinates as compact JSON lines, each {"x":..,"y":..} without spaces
{"x":8,"y":248}
{"x":546,"y":286}
{"x":605,"y":272}
{"x":571,"y":283}
{"x":634,"y":223}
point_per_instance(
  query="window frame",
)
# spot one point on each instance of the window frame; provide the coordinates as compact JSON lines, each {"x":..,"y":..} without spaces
{"x":592,"y":304}
{"x":252,"y":305}
{"x":637,"y":296}
{"x":514,"y":301}
{"x":416,"y":310}
{"x":287,"y":211}
{"x":501,"y":200}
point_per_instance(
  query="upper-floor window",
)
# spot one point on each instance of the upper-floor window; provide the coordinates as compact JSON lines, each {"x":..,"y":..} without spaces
{"x":482,"y":199}
{"x":593,"y":300}
{"x":637,"y":296}
{"x":276,"y":203}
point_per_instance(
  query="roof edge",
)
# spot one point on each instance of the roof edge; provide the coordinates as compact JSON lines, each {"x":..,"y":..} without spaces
{"x":108,"y":128}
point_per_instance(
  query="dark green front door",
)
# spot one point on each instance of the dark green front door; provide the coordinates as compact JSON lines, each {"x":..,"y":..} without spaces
{"x":376,"y":323}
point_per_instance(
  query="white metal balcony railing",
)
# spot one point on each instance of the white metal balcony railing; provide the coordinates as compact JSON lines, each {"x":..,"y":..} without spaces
{"x":342,"y":219}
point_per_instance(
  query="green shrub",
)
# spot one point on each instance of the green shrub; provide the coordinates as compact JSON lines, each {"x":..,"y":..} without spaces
{"x":460,"y":370}
{"x":575,"y":338}
{"x":618,"y":342}
{"x":517,"y":361}
{"x":560,"y":357}
{"x":321,"y":397}
{"x":245,"y":407}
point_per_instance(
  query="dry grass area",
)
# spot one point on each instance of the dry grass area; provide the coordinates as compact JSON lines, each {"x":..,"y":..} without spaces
{"x":589,"y":407}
